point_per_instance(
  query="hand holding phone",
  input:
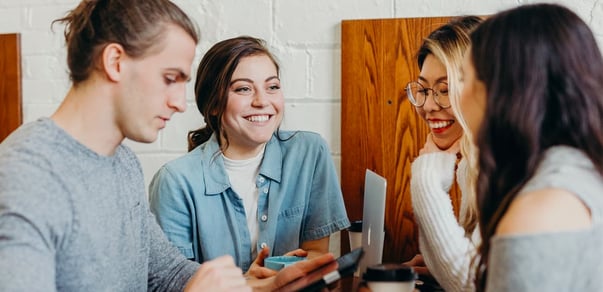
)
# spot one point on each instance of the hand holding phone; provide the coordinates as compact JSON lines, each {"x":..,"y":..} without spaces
{"x":303,"y":273}
{"x":328,"y":274}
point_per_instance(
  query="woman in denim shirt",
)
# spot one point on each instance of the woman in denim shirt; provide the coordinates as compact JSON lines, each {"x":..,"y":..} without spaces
{"x":246,"y":188}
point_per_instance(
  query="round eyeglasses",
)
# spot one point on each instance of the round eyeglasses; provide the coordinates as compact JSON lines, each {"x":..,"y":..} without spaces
{"x":417,"y":94}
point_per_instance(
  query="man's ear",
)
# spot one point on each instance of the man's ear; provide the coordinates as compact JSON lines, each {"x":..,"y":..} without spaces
{"x":111,"y":62}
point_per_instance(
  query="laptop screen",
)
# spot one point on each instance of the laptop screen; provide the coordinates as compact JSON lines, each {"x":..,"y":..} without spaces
{"x":373,"y":216}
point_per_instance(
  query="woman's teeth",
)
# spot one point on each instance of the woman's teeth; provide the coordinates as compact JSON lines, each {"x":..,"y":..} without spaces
{"x":440,"y":124}
{"x":262,"y":118}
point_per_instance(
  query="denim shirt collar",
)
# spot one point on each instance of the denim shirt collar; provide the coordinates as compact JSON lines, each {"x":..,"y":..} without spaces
{"x":214,"y":172}
{"x":272,"y":162}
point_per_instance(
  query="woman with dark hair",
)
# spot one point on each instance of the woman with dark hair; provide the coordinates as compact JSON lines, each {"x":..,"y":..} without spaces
{"x":532,"y":98}
{"x":246,"y":188}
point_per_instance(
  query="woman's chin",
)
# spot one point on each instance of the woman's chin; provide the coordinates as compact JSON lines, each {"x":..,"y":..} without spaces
{"x":444,"y":144}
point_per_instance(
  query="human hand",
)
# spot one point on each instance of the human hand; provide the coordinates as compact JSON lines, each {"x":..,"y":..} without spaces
{"x":220,"y":274}
{"x":418,"y":264}
{"x":298,"y":253}
{"x":257,"y":269}
{"x":431,"y":147}
{"x":298,"y":275}
{"x":426,"y":279}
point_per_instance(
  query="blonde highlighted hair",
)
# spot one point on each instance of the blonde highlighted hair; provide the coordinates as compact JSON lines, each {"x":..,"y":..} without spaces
{"x":448,"y":44}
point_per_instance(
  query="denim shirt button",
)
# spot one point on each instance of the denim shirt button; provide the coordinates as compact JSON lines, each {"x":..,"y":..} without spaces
{"x":264,"y":217}
{"x":265,"y":190}
{"x":261,"y":179}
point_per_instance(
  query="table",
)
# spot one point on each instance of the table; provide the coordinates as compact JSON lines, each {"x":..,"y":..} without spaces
{"x":350,"y":284}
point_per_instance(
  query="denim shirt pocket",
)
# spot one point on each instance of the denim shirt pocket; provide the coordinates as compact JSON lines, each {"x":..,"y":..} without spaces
{"x":291,"y":213}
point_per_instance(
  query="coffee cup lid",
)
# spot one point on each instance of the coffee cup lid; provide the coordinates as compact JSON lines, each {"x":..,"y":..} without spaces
{"x":356,"y":226}
{"x":390,"y":273}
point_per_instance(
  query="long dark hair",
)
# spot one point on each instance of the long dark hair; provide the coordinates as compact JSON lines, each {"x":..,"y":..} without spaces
{"x":544,"y":77}
{"x":213,"y":80}
{"x":137,"y":25}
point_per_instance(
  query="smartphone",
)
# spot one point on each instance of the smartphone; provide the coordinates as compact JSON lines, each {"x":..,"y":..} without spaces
{"x":326,"y":275}
{"x":346,"y":266}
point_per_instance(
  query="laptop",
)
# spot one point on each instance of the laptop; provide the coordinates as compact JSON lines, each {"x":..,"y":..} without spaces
{"x":373,"y":220}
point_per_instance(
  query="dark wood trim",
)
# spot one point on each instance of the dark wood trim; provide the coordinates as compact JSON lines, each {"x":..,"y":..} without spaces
{"x":11,"y":112}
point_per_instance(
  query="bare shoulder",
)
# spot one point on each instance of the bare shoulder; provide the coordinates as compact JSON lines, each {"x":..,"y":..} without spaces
{"x":546,"y":210}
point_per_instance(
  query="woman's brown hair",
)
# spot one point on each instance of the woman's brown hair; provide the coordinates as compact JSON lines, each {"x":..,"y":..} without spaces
{"x":213,"y":82}
{"x":543,"y":74}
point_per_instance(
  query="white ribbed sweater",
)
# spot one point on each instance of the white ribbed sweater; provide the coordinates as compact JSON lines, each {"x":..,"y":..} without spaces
{"x":445,"y":248}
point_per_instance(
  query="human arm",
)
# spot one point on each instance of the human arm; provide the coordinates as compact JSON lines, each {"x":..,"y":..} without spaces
{"x":172,"y":205}
{"x":542,"y":244}
{"x":169,"y":270}
{"x":546,"y":210}
{"x":26,"y":259}
{"x":316,"y":247}
{"x":34,"y":217}
{"x":326,"y":212}
{"x":540,"y":232}
{"x":444,"y":246}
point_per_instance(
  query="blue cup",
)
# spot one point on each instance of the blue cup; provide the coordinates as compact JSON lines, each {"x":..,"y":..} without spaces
{"x":278,"y":262}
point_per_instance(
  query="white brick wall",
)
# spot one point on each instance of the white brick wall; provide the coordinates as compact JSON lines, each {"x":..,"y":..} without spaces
{"x":304,"y":35}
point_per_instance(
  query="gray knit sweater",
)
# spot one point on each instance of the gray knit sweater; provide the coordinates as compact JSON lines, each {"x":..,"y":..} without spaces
{"x":554,"y":261}
{"x":73,"y":220}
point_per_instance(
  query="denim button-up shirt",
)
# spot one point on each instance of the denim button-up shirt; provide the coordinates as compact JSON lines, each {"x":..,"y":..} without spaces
{"x":299,"y":200}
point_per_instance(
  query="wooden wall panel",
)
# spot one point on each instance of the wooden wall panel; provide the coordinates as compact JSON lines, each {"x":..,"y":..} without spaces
{"x":380,"y":129}
{"x":361,"y":113}
{"x":10,"y":84}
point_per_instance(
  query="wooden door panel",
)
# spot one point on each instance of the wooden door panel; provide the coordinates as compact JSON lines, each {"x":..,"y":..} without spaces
{"x":380,"y":129}
{"x":361,"y":113}
{"x":10,"y":84}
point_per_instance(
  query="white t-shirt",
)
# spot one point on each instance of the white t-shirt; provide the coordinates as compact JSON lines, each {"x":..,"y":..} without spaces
{"x":242,"y":175}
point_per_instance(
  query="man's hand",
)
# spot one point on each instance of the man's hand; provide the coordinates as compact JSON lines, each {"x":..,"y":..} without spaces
{"x":220,"y":274}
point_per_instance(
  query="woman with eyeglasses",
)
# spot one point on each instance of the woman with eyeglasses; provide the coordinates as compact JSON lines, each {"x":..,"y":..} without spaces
{"x":447,"y":244}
